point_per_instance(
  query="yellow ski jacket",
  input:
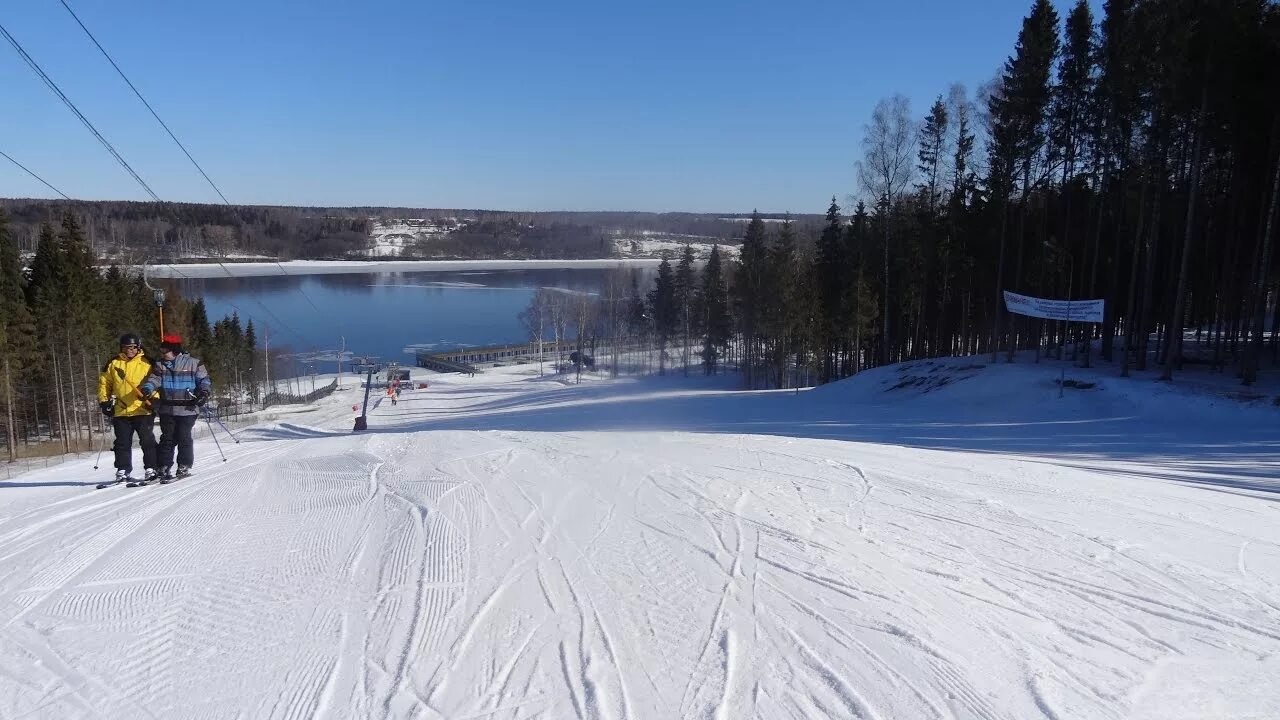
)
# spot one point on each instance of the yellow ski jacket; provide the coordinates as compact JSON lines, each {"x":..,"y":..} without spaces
{"x":122,"y":377}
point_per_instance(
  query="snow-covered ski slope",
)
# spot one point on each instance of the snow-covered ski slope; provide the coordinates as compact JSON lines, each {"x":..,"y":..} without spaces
{"x":963,"y":546}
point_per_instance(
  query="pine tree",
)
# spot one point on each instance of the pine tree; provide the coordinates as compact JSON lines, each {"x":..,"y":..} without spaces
{"x":249,"y":373}
{"x":1115,"y":106}
{"x":954,"y":321}
{"x":783,"y":313}
{"x":714,"y":302}
{"x":1070,"y":109}
{"x":663,"y":310}
{"x":748,"y":293}
{"x":200,"y":334}
{"x":831,"y":275}
{"x":861,"y":300}
{"x":17,"y":331}
{"x":685,"y":295}
{"x":1018,"y":126}
{"x":932,"y":150}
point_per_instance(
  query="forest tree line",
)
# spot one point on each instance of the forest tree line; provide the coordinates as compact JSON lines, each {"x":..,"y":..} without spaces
{"x":60,"y":321}
{"x":134,"y":232}
{"x":1133,"y":157}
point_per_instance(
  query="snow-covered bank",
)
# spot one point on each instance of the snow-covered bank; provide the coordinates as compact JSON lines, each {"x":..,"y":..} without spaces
{"x":505,"y":546}
{"x":333,"y":267}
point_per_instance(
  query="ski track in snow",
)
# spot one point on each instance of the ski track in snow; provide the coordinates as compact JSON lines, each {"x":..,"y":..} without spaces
{"x":419,"y":572}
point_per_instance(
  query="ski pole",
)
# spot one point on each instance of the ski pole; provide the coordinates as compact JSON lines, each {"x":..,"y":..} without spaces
{"x":104,"y":447}
{"x":224,"y":427}
{"x":214,"y":435}
{"x":146,"y":401}
{"x":211,"y":414}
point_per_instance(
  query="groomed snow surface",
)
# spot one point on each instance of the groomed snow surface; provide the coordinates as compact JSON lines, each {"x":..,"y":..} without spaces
{"x":935,"y":540}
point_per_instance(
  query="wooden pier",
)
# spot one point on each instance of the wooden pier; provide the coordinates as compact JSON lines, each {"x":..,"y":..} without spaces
{"x":464,"y":360}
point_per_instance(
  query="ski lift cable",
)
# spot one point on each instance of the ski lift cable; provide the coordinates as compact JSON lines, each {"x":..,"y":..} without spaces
{"x":279,"y":323}
{"x":300,"y":290}
{"x":152,"y":110}
{"x":170,"y":132}
{"x":28,"y":171}
{"x":254,"y":294}
{"x":53,"y":87}
{"x":48,"y":81}
{"x":164,"y":125}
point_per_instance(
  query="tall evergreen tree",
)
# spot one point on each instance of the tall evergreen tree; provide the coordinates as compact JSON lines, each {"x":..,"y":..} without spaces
{"x":749,"y":292}
{"x":686,"y":286}
{"x":862,"y":301}
{"x":663,"y":311}
{"x":831,"y":270}
{"x":200,"y":335}
{"x":782,"y":316}
{"x":932,"y":152}
{"x":17,"y":332}
{"x":1018,"y":128}
{"x":714,"y":302}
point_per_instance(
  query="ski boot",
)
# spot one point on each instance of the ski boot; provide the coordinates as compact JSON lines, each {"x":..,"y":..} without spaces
{"x":148,"y":478}
{"x":165,"y":475}
{"x":121,"y":476}
{"x":184,"y":471}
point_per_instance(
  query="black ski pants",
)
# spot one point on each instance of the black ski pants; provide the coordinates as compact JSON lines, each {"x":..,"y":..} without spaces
{"x":175,"y":431}
{"x":125,"y":427}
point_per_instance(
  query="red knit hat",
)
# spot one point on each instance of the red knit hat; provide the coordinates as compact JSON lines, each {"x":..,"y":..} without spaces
{"x":172,"y":343}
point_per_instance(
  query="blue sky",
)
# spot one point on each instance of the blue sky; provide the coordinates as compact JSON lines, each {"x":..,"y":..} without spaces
{"x":561,"y":104}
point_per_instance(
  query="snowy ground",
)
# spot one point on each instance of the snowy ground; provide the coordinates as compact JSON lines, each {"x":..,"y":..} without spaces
{"x":644,"y":247}
{"x":938,"y":540}
{"x":391,"y":237}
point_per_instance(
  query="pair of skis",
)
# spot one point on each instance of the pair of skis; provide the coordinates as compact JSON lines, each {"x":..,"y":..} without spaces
{"x":139,"y":482}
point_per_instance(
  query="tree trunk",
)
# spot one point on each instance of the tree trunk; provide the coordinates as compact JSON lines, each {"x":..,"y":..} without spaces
{"x":884,"y":344}
{"x":1257,"y":305}
{"x":75,"y":397}
{"x":1131,"y":309}
{"x":1148,"y":280}
{"x":1179,"y":299}
{"x":998,"y":309}
{"x":1095,"y":260}
{"x":11,"y":434}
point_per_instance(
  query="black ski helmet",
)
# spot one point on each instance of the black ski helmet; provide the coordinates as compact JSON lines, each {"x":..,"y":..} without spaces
{"x":130,"y":339}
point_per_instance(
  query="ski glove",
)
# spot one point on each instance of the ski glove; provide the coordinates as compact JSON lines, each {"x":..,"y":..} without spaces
{"x":147,"y":389}
{"x":202,"y":397}
{"x":108,"y":408}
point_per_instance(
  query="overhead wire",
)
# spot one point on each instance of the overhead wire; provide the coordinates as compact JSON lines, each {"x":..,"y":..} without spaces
{"x":152,"y":110}
{"x":53,"y":86}
{"x":275,"y":318}
{"x":28,"y":171}
{"x":242,"y":311}
{"x":177,"y":142}
{"x":304,"y":292}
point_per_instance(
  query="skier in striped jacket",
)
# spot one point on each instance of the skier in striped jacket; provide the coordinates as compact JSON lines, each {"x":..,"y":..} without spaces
{"x":184,"y":387}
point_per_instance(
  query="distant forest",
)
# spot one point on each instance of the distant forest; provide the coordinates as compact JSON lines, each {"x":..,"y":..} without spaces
{"x":131,"y":231}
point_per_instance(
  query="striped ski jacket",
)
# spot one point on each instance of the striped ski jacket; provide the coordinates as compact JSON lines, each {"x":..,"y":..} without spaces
{"x":177,"y":380}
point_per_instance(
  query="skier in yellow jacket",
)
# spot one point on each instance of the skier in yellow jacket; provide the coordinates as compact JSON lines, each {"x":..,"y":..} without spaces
{"x":127,"y":408}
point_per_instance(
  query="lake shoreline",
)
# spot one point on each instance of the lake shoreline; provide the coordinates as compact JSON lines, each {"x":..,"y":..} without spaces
{"x":336,"y":267}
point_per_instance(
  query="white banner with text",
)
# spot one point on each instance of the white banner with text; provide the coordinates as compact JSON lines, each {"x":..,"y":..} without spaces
{"x":1072,"y":310}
